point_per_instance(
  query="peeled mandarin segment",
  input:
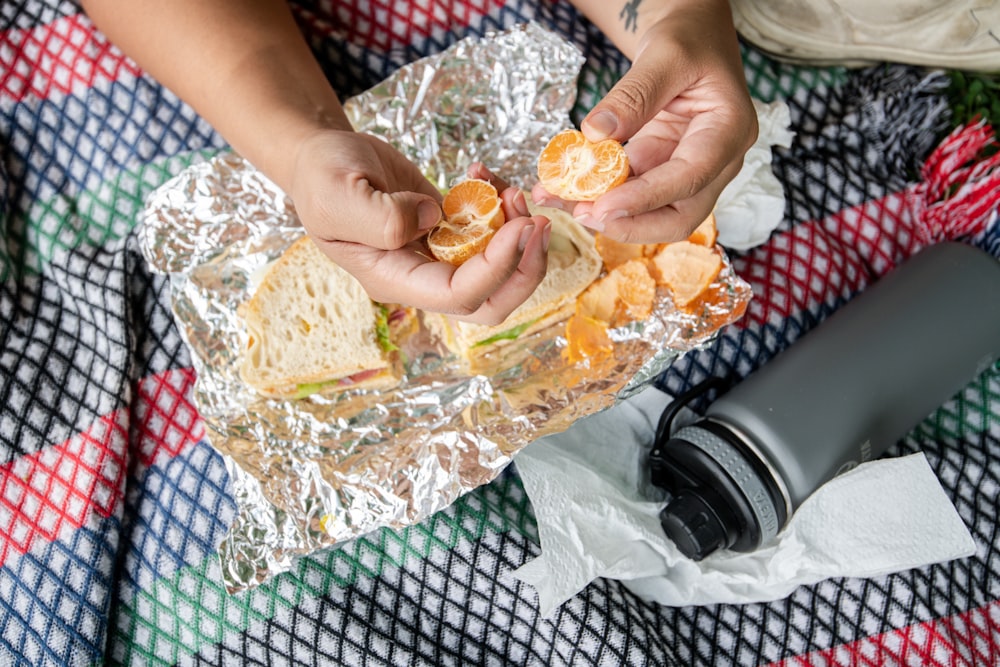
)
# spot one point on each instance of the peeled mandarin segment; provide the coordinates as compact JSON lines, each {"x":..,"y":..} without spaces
{"x":705,"y":233}
{"x":687,"y":270}
{"x":472,"y":215}
{"x":576,"y":169}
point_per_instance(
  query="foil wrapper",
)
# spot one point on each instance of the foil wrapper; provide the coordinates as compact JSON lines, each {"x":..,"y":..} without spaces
{"x":316,"y":472}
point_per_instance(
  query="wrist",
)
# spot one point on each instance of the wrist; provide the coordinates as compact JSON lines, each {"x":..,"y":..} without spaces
{"x":706,"y":21}
{"x":631,"y":24}
{"x":277,"y":152}
{"x":271,"y":107}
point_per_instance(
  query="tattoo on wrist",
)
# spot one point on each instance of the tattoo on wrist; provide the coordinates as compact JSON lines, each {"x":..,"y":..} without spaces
{"x":630,"y":14}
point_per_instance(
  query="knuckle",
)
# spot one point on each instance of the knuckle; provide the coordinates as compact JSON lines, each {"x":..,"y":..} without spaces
{"x":622,"y":235}
{"x":461,"y":309}
{"x":492,"y":319}
{"x":394,"y":233}
{"x":752,"y":134}
{"x":537,"y":274}
{"x":700,"y":179}
{"x":633,"y":92}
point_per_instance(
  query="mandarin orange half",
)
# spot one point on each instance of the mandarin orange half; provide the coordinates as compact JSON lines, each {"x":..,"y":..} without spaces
{"x":576,"y":169}
{"x":472,"y":215}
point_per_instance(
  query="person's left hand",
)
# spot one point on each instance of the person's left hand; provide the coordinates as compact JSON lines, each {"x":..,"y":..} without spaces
{"x":369,"y":209}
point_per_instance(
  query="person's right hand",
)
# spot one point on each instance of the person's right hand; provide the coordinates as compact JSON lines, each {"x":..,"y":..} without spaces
{"x":685,"y":116}
{"x":368,"y":208}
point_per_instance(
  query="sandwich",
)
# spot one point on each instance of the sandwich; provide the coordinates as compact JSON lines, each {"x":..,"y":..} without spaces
{"x":312,"y":327}
{"x":573,"y":264}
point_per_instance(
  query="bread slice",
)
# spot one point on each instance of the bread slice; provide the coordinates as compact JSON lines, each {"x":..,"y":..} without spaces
{"x":573,"y":264}
{"x":312,"y":326}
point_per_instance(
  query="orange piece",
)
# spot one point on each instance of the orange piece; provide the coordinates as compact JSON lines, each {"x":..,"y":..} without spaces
{"x":600,"y":300}
{"x":650,"y":250}
{"x":636,"y":291}
{"x":615,"y":253}
{"x":586,"y":338}
{"x":705,"y":233}
{"x":686,"y":269}
{"x":472,"y":215}
{"x":575,"y":169}
{"x":623,"y":295}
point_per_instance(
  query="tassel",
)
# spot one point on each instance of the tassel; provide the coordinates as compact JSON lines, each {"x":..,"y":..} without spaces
{"x":960,"y":191}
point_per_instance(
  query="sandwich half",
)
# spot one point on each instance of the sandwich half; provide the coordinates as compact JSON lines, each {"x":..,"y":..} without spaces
{"x":312,"y":327}
{"x":573,"y":264}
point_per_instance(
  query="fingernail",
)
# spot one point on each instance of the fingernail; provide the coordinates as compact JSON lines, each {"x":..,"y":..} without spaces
{"x":520,"y":203}
{"x":477,"y":170}
{"x":428,"y":214}
{"x":589,"y":222}
{"x":526,"y":233}
{"x":546,"y":234}
{"x":612,"y":215}
{"x":603,"y":124}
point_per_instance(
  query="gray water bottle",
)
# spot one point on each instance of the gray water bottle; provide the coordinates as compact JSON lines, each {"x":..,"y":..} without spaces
{"x":842,"y":394}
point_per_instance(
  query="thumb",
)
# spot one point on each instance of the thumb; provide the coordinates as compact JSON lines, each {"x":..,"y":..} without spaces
{"x":405,"y":216}
{"x":363,"y":214}
{"x":629,"y":105}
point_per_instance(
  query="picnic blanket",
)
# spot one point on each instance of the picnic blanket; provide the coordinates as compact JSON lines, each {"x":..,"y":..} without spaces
{"x":113,"y":501}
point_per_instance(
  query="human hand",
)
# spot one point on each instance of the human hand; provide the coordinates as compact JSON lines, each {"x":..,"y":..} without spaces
{"x":685,"y":115}
{"x":369,"y":209}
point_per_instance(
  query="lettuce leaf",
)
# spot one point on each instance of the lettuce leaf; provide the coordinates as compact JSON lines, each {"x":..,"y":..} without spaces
{"x":507,"y":334}
{"x":382,"y":329}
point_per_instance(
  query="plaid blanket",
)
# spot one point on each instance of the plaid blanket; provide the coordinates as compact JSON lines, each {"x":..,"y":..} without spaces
{"x":113,"y":503}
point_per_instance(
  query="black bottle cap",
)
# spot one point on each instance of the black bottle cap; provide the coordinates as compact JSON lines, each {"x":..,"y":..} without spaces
{"x":693,"y":526}
{"x":722,"y":497}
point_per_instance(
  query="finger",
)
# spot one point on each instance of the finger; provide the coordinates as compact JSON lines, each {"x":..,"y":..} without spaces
{"x":383,"y":200}
{"x":665,"y":224}
{"x":633,"y":101}
{"x":387,"y":221}
{"x":410,"y":277}
{"x":482,"y":172}
{"x":522,"y":283}
{"x":704,"y":124}
{"x":703,"y":145}
{"x":514,"y":203}
{"x":489,"y":286}
{"x":543,"y":197}
{"x":668,"y":183}
{"x":704,"y":160}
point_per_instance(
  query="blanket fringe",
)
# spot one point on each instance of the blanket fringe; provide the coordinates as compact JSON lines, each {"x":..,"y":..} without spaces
{"x":961,"y":184}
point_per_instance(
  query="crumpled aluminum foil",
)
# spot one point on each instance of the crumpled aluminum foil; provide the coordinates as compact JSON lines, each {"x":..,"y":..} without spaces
{"x":317,"y":472}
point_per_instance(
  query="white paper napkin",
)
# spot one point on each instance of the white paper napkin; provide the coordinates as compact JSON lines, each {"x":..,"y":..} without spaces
{"x":752,"y":205}
{"x":598,"y":517}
